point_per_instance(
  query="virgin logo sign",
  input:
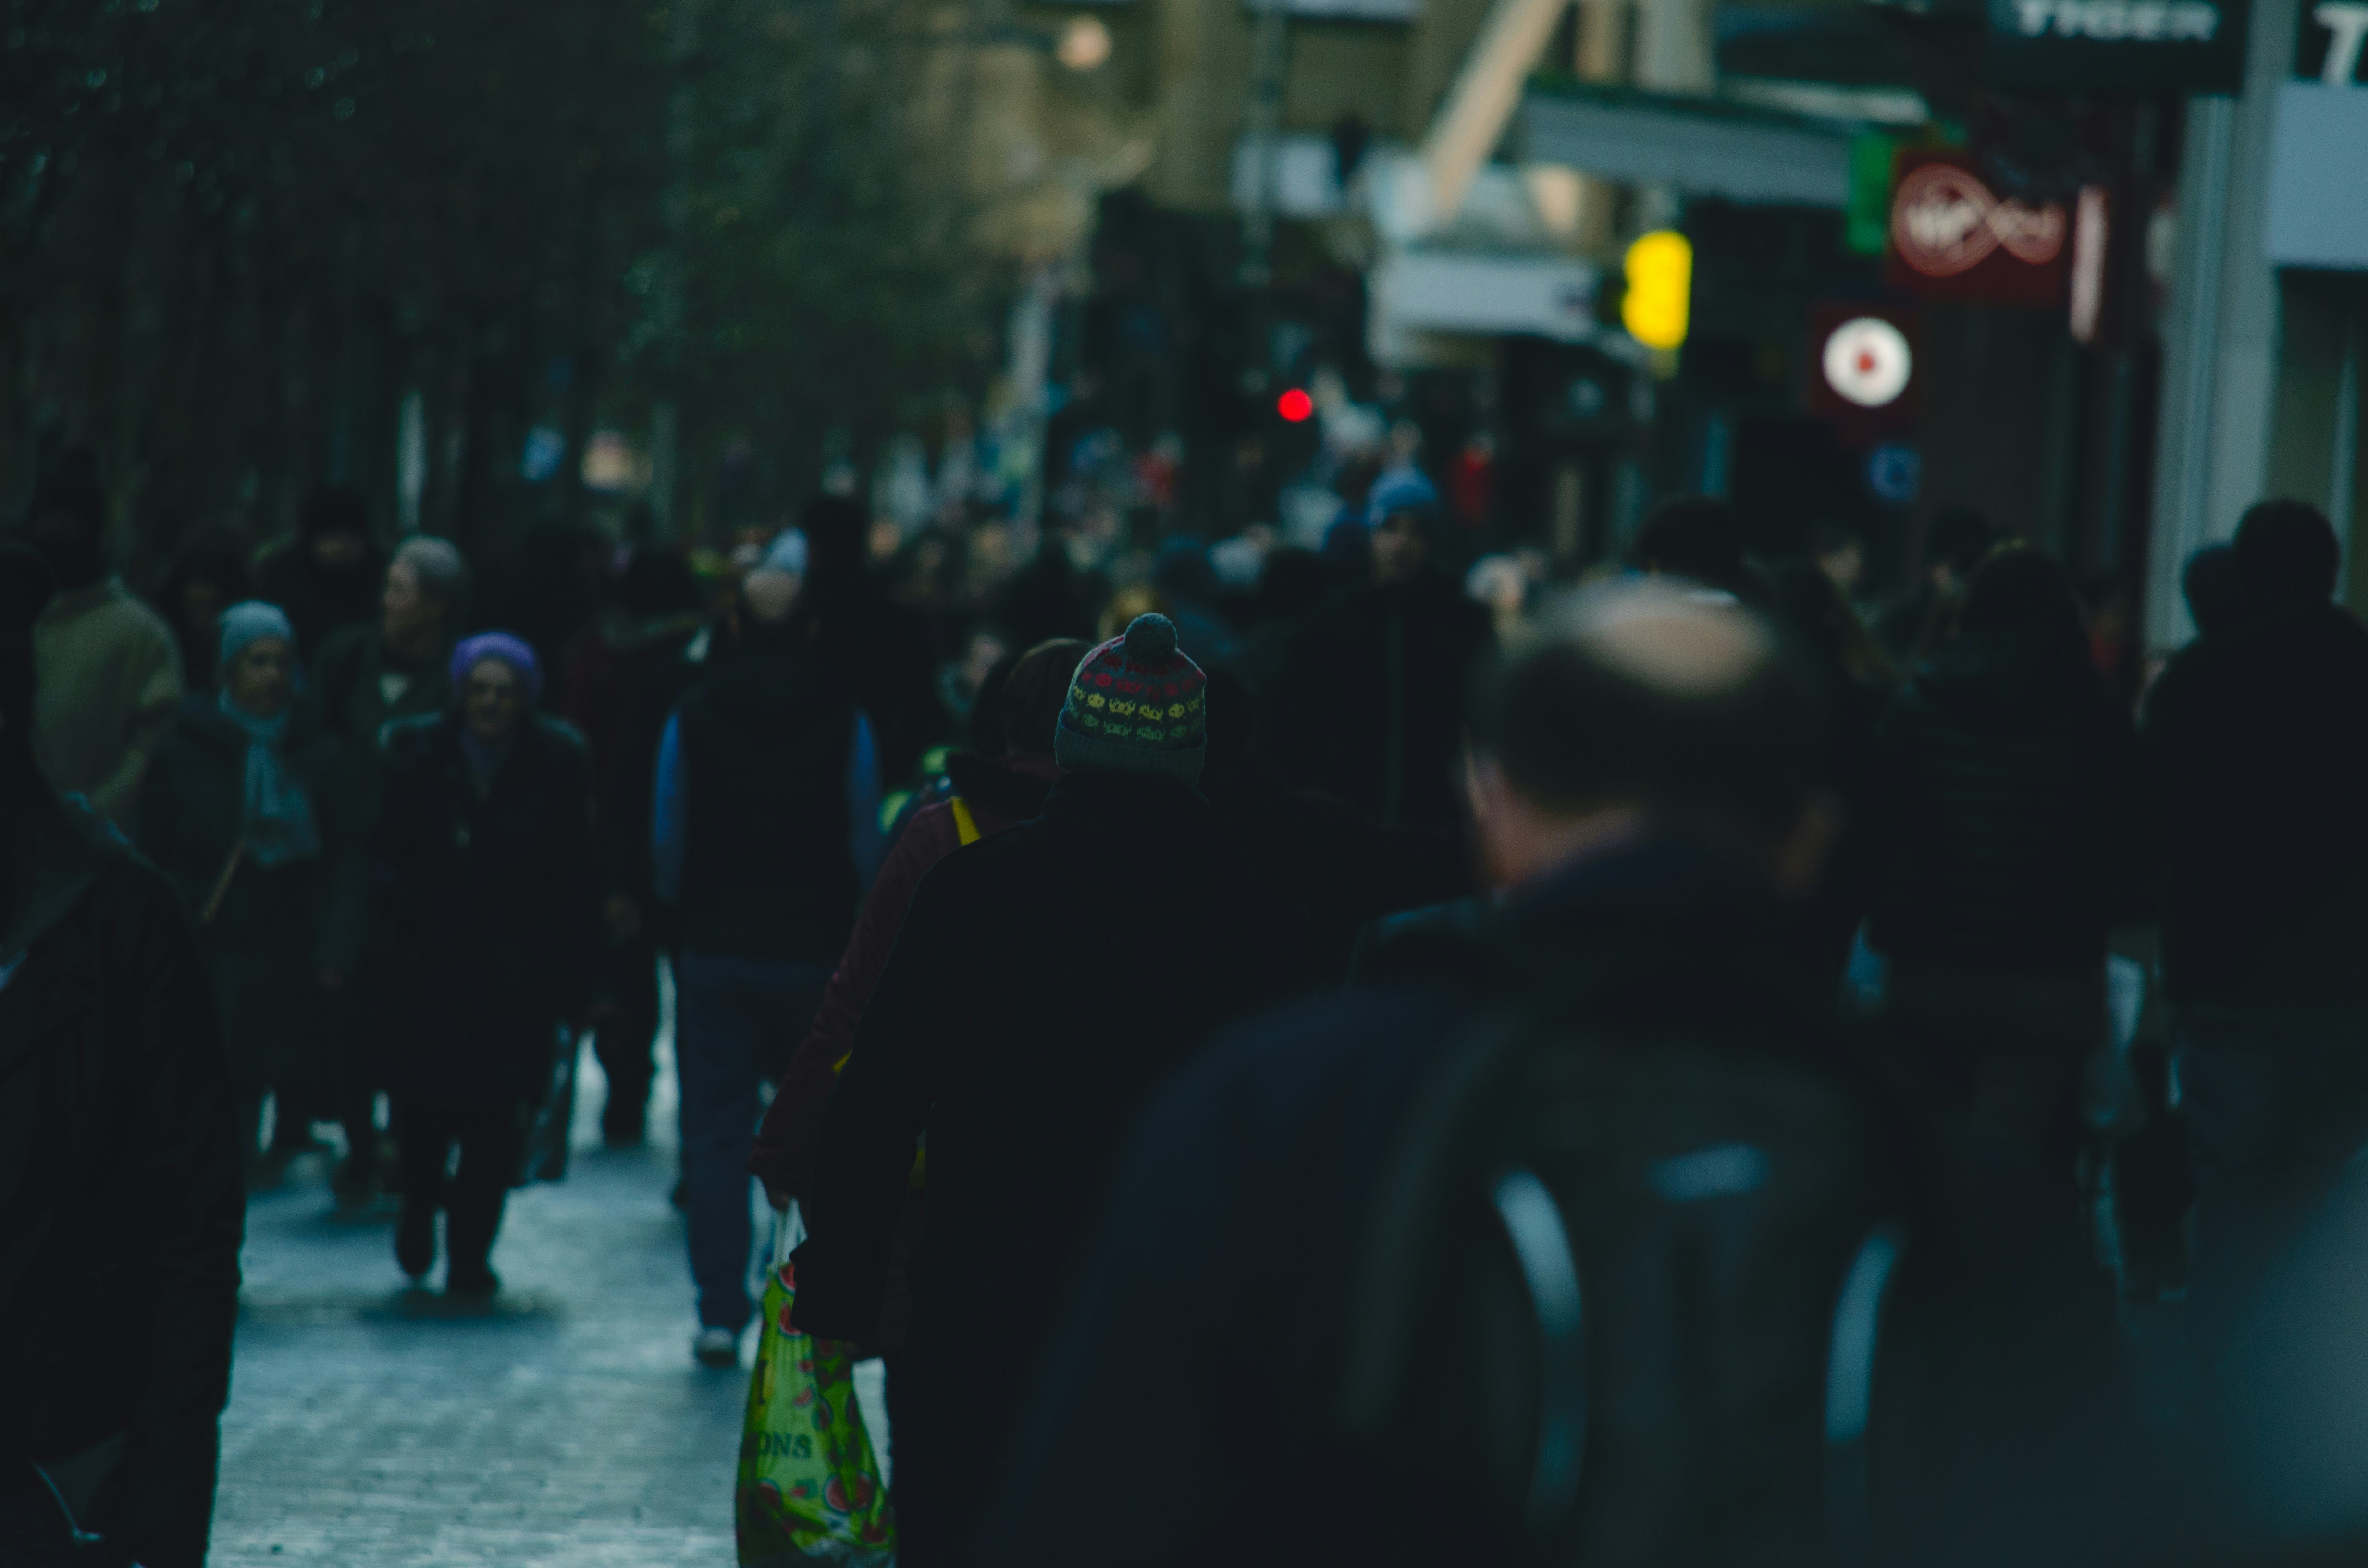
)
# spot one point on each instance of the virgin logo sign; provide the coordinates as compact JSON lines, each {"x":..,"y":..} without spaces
{"x":1946,"y":222}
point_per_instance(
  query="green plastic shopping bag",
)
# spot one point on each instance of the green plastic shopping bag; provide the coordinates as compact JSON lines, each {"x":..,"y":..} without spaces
{"x":810,"y":1489}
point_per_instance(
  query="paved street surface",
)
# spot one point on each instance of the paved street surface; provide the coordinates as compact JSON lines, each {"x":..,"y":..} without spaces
{"x":368,"y":1429}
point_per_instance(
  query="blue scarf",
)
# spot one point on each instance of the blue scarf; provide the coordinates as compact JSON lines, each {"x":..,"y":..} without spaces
{"x":277,"y":819}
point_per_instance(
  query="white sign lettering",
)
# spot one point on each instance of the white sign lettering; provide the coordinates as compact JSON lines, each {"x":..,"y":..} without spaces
{"x":2145,"y":21}
{"x":2348,"y":20}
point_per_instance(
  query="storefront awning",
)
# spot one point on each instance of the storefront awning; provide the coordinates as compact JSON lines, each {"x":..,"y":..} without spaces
{"x":1702,"y":146}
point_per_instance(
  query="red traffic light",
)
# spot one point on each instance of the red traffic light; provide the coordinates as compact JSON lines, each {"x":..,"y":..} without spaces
{"x":1295,"y":406}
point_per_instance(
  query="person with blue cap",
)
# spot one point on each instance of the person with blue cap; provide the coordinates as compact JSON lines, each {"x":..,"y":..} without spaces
{"x":247,"y":809}
{"x":482,"y":875}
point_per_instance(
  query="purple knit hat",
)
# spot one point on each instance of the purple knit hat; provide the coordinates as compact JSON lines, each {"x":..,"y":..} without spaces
{"x":509,"y":648}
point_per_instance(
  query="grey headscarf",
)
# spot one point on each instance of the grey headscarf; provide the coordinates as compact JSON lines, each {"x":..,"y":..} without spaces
{"x":277,"y":818}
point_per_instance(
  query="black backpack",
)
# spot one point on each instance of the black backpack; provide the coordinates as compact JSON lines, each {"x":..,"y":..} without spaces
{"x":1625,"y":1296}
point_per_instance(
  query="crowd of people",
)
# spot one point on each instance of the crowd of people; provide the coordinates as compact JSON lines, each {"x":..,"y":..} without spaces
{"x":1370,"y":1065}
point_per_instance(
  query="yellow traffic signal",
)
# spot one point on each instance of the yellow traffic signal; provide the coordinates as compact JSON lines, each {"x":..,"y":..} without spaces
{"x":1660,"y":271}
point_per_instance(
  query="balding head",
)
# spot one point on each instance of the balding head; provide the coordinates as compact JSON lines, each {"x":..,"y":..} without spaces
{"x":1649,"y":702}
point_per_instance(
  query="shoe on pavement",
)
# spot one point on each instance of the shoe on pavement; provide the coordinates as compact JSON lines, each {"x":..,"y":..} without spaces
{"x":415,"y":1239}
{"x":479,"y":1282}
{"x":718,"y":1347}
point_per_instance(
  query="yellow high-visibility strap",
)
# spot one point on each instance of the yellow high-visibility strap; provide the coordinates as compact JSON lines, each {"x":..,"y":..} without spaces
{"x":965,"y":824}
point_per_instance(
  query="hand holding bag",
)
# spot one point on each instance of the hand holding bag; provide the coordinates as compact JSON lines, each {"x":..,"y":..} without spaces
{"x":808,"y":1491}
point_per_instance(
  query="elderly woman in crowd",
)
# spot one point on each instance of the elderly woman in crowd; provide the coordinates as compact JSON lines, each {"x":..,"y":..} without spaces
{"x":482,"y":870}
{"x":249,"y":810}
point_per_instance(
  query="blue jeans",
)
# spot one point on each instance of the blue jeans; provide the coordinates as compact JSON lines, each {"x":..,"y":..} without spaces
{"x":2275,"y":1108}
{"x":736,"y":1020}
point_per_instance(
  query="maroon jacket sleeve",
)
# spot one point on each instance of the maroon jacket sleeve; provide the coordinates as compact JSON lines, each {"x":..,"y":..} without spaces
{"x":784,"y":1155}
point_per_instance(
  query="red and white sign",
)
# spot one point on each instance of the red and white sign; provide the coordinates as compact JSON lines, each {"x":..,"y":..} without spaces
{"x":1867,"y":362}
{"x":1953,"y":238}
{"x":1862,"y":377}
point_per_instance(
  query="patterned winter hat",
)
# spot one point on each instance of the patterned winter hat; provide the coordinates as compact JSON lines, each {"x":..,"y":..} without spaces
{"x":1136,"y":703}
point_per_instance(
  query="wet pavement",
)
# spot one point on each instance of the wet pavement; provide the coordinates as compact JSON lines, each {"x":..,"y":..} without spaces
{"x":369,"y":1426}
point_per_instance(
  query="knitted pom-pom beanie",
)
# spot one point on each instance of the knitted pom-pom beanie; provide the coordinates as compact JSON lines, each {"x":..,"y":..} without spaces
{"x":1136,"y":703}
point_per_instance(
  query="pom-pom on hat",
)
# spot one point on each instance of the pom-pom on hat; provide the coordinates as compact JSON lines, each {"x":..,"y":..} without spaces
{"x":1136,"y":703}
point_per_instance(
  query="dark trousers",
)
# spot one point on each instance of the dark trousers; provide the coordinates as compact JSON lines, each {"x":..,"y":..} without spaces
{"x":491,"y":1143}
{"x":624,"y":1042}
{"x":2000,"y":1053}
{"x":2275,"y":1108}
{"x":736,"y":1020}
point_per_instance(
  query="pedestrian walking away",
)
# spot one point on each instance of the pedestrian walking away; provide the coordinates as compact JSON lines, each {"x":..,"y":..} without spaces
{"x":993,"y":794}
{"x":763,"y":831}
{"x":1044,"y":982}
{"x":1556,"y":1250}
{"x":2257,"y":737}
{"x":2007,"y":840}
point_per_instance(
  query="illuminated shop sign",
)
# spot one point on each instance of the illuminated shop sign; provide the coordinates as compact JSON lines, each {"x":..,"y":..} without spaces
{"x":1952,"y":237}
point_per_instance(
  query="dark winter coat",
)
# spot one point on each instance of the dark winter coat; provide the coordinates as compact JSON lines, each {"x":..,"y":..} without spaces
{"x":485,"y":909}
{"x":318,"y":603}
{"x":2258,"y":758}
{"x":1189,"y":1411}
{"x":999,"y":794}
{"x":768,"y":870}
{"x":120,"y":1198}
{"x":277,"y":928}
{"x":359,"y":687}
{"x":1045,"y":983}
{"x":2007,"y":832}
{"x":626,"y":793}
{"x":1370,"y":705}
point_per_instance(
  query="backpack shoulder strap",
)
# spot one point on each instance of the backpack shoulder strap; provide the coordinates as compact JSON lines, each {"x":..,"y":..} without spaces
{"x":965,"y":824}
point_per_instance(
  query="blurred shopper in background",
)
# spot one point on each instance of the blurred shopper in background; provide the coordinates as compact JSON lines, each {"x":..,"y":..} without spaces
{"x":1860,"y":681}
{"x":612,"y":680}
{"x":367,"y":675}
{"x":1696,"y":539}
{"x":111,"y":667}
{"x":875,"y":647}
{"x":1391,"y":662}
{"x":208,"y":577}
{"x":2256,"y":741}
{"x":2005,"y":820}
{"x":1954,"y":545}
{"x":255,"y":815}
{"x":118,"y":1254}
{"x":2214,"y":589}
{"x":328,"y":576}
{"x":482,"y":880}
{"x":765,"y":831}
{"x":1044,"y":982}
{"x":372,"y":672}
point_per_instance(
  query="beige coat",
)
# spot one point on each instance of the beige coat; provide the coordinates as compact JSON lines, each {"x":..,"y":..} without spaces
{"x":109,"y":677}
